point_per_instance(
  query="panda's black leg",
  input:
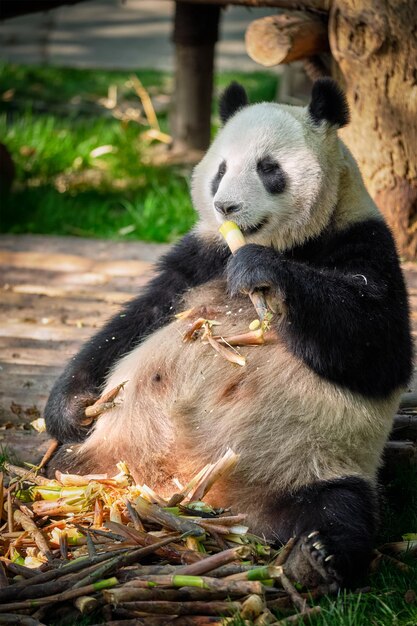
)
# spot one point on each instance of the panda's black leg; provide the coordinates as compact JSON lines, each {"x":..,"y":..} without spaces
{"x":334,"y":524}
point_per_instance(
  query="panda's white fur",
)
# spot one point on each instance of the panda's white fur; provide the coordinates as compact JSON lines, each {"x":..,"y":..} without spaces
{"x":296,"y":429}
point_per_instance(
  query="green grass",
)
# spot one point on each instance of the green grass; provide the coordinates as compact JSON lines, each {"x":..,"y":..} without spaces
{"x":51,"y":120}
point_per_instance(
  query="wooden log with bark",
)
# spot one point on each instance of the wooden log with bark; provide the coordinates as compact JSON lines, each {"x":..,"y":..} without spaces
{"x":286,"y":37}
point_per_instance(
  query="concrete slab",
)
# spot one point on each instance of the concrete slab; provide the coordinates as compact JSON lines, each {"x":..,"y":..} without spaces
{"x":114,"y":34}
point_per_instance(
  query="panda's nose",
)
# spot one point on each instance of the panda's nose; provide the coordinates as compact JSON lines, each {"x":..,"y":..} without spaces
{"x":227,"y":207}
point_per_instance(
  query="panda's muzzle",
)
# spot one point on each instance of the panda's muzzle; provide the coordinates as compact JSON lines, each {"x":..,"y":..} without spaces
{"x":226,"y":207}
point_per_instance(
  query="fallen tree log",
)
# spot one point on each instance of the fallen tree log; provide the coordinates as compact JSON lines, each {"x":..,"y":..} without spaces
{"x":286,"y":37}
{"x":405,"y":427}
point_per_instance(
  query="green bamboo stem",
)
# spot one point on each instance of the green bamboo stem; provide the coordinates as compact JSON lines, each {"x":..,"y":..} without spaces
{"x":203,"y":582}
{"x":84,"y":562}
{"x":70,"y":594}
{"x":215,"y":560}
{"x":155,"y":514}
{"x":161,"y":607}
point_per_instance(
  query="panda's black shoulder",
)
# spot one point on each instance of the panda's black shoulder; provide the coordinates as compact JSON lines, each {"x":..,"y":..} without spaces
{"x":369,"y":239}
{"x":198,"y":258}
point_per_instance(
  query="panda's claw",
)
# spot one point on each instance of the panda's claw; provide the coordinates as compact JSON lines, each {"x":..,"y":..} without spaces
{"x":310,"y":564}
{"x":313,"y":534}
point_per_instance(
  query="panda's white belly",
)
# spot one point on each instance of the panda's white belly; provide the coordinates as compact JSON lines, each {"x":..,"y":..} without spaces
{"x":184,"y":405}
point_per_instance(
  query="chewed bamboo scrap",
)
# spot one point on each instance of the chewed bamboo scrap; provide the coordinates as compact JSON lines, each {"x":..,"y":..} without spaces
{"x":203,"y":328}
{"x":103,"y":404}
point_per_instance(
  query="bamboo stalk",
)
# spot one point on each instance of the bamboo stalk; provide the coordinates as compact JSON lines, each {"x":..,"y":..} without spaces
{"x":130,"y":593}
{"x":218,"y":469}
{"x":20,"y":620}
{"x":296,"y":598}
{"x":22,"y":570}
{"x":9,"y":511}
{"x":153,"y":513}
{"x":53,"y":446}
{"x":173,"y":552}
{"x":285,"y":552}
{"x":4,"y":581}
{"x":1,"y":495}
{"x":204,"y":582}
{"x":59,"y":597}
{"x":215,"y":560}
{"x":27,"y":474}
{"x":102,"y":404}
{"x":229,"y":355}
{"x":265,"y":572}
{"x":235,"y":240}
{"x":134,"y":515}
{"x":252,"y":607}
{"x":164,"y":607}
{"x":73,"y":567}
{"x":86,"y":604}
{"x":295,"y":619}
{"x":123,"y":560}
{"x":27,"y":524}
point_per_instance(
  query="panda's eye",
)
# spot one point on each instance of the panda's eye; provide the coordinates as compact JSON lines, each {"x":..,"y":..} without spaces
{"x":267,"y":166}
{"x":222,"y":169}
{"x":214,"y":185}
{"x":271,"y":175}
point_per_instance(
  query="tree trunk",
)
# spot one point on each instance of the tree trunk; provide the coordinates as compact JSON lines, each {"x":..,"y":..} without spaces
{"x":375,"y":46}
{"x":195,"y":36}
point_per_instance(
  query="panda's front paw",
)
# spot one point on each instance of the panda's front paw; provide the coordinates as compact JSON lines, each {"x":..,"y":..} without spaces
{"x":65,"y":414}
{"x":252,"y":267}
{"x":311,"y":564}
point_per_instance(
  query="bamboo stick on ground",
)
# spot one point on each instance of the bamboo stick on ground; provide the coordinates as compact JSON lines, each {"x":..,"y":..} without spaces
{"x":203,"y":582}
{"x":154,"y":513}
{"x":40,"y":579}
{"x":4,"y":581}
{"x":19,"y":620}
{"x":252,"y":607}
{"x":134,"y":515}
{"x":130,"y":593}
{"x":215,"y":560}
{"x":26,"y":474}
{"x":172,"y":552}
{"x":27,"y":524}
{"x":60,"y":597}
{"x":1,"y":495}
{"x":52,"y":448}
{"x":284,"y":552}
{"x":21,"y":570}
{"x":296,"y":598}
{"x":219,"y":607}
{"x":86,"y":604}
{"x":295,"y":619}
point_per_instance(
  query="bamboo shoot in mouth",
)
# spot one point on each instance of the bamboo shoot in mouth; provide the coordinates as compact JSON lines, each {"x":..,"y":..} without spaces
{"x":235,"y":240}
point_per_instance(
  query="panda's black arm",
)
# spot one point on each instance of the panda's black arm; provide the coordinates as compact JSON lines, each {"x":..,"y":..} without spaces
{"x":346,"y":307}
{"x":189,"y":263}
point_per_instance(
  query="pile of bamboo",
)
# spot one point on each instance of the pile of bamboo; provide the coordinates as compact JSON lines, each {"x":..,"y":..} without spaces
{"x":117,"y":550}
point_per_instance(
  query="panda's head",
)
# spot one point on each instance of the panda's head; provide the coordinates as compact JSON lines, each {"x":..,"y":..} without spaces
{"x":273,"y":169}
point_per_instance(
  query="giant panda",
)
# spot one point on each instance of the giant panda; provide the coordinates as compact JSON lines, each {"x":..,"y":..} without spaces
{"x":310,"y":413}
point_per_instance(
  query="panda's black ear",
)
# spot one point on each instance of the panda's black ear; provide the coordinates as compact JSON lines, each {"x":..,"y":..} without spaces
{"x":328,"y":103}
{"x":233,"y":98}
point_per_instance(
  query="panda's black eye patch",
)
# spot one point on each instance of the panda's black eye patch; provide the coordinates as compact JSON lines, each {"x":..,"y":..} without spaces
{"x":216,"y":180}
{"x":271,"y":175}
